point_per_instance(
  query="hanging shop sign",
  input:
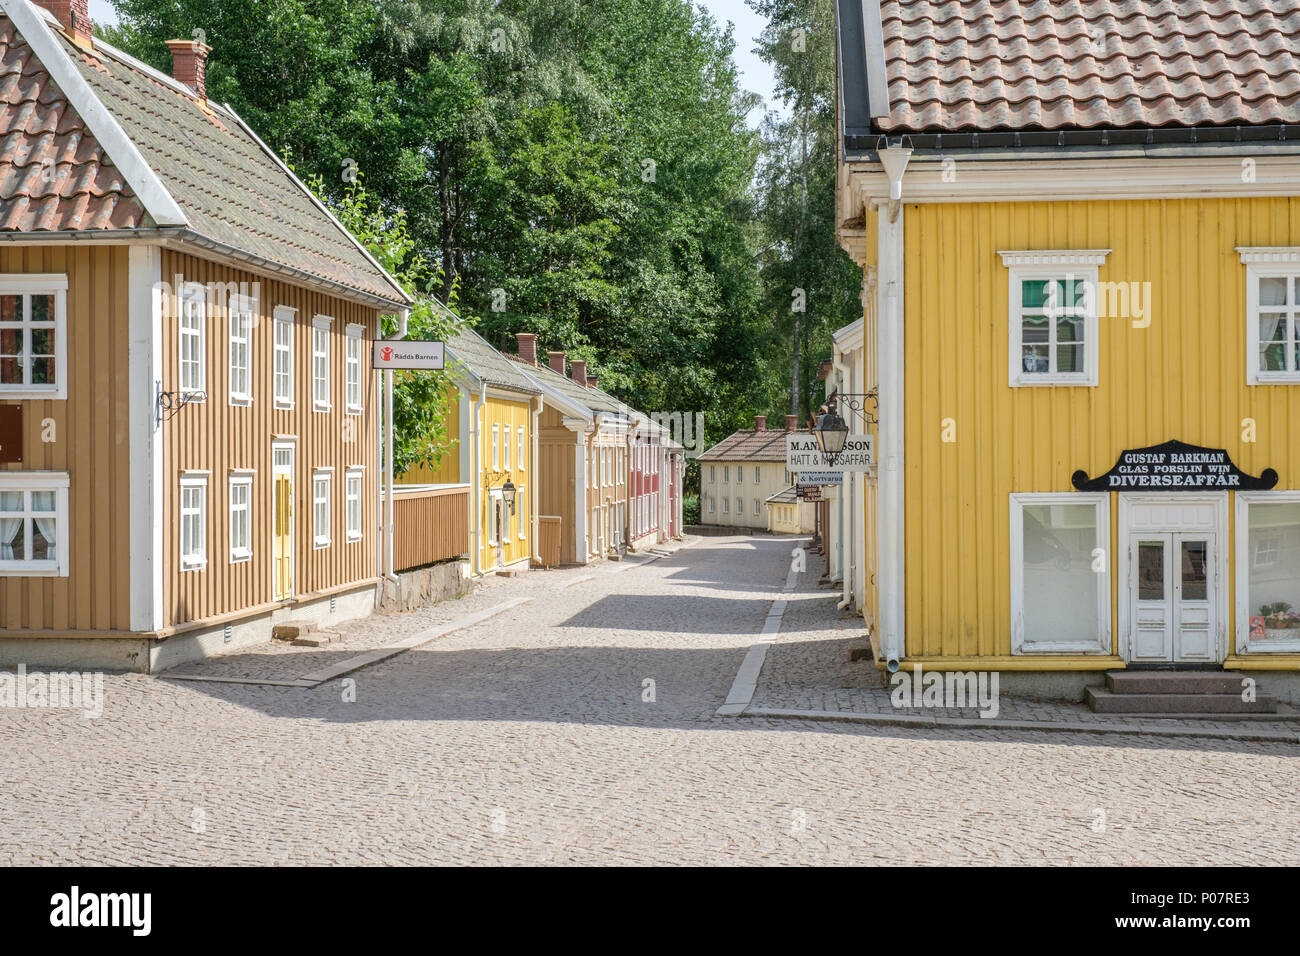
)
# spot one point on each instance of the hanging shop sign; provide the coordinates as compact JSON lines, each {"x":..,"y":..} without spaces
{"x":809,"y":492}
{"x":406,"y":354}
{"x":1174,"y":466}
{"x":802,"y":454}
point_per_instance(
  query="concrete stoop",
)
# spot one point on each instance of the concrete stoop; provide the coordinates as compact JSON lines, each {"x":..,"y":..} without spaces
{"x":1184,"y":694}
{"x":303,"y":634}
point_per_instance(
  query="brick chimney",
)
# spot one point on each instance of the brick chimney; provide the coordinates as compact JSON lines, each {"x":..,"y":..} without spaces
{"x":556,"y":361}
{"x":73,"y":16}
{"x":760,"y":423}
{"x":791,"y":422}
{"x":591,"y":380}
{"x":579,"y":372}
{"x":189,"y":63}
{"x":527,"y":347}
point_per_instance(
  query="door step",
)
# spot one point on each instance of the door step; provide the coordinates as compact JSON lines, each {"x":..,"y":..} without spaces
{"x":1178,"y":694}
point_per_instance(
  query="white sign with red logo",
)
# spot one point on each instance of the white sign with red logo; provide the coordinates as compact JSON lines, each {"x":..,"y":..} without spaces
{"x":403,"y":354}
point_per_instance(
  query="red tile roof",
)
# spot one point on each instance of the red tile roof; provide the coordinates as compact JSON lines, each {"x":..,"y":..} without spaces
{"x":750,"y":445}
{"x":54,"y":175}
{"x":1034,"y":64}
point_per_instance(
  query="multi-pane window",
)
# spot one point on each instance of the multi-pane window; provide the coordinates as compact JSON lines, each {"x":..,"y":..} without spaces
{"x":1268,"y":571}
{"x":710,"y":504}
{"x":33,"y":328}
{"x":726,"y":506}
{"x":194,"y":522}
{"x":352,"y":369}
{"x":192,"y":341}
{"x":1052,"y":320}
{"x":1273,"y":298}
{"x":284,"y":318}
{"x":353,"y":505}
{"x":241,"y":353}
{"x":241,"y":500}
{"x":320,"y":362}
{"x":755,"y":506}
{"x":519,"y":434}
{"x":496,"y":447}
{"x":726,"y":473}
{"x":740,"y":506}
{"x":519,"y":511}
{"x":740,"y":473}
{"x":757,"y":473}
{"x":713,"y":472}
{"x":33,"y":523}
{"x":320,"y":506}
{"x":505,"y":447}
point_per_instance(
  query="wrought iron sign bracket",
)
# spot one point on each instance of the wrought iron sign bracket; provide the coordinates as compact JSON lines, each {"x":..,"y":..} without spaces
{"x":167,"y":404}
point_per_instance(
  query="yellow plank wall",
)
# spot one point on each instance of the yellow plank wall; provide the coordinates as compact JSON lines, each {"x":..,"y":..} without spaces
{"x":1182,"y":377}
{"x":90,"y":432}
{"x":513,"y":414}
{"x":217,"y":437}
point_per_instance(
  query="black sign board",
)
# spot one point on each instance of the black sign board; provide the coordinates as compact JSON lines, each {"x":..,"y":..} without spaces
{"x":1174,"y":466}
{"x":11,"y":434}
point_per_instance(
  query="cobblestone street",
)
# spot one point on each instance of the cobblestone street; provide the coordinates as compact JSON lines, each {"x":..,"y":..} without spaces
{"x":581,"y":727}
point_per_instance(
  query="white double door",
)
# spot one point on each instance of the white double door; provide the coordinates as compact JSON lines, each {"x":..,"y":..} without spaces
{"x":1172,"y":590}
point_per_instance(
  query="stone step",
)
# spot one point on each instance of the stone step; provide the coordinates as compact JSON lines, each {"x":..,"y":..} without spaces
{"x":316,"y":639}
{"x":1174,"y":682}
{"x":1107,"y":702}
{"x":289,"y":630}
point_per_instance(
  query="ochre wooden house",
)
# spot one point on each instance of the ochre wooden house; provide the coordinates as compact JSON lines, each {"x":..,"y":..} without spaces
{"x":189,"y":449}
{"x":1079,"y":229}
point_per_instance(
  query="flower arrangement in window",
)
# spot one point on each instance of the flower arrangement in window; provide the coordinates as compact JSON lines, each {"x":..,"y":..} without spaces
{"x":1279,"y":616}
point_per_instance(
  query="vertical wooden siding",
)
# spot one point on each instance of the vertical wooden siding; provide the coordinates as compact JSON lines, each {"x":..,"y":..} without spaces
{"x":1182,"y":377}
{"x":556,"y":488}
{"x":431,"y":525}
{"x":217,"y":437}
{"x":90,"y":430}
{"x":510,"y":414}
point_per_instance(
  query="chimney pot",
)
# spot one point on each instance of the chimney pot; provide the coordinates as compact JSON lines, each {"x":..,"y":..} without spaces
{"x":791,"y":422}
{"x":73,"y":17}
{"x":527,"y":347}
{"x":760,"y":423}
{"x":579,"y":368}
{"x":189,"y":64}
{"x":556,"y":361}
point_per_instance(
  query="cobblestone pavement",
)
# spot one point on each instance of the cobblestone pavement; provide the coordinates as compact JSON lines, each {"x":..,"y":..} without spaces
{"x":534,"y":738}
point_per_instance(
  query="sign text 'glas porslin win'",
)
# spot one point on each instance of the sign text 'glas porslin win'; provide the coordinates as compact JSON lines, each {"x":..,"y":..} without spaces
{"x":403,"y":354}
{"x":802,"y":454}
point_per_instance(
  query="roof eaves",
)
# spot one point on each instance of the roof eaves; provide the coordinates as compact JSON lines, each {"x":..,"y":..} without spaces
{"x":31,"y":22}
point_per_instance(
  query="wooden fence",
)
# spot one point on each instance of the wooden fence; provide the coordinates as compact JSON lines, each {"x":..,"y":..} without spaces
{"x":431,"y":524}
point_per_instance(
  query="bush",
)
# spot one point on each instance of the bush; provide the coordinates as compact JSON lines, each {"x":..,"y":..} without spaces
{"x":691,"y":509}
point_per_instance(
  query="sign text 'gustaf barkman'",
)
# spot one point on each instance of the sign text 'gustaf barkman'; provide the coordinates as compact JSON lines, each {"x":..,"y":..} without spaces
{"x":802,"y":454}
{"x":403,"y":354}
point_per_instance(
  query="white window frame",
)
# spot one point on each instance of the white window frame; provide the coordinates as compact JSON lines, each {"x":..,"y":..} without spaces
{"x":1245,"y":564}
{"x":713,"y":472}
{"x":522,"y":457}
{"x":243,"y":480}
{"x":1271,"y":262}
{"x":520,"y":494}
{"x":710,"y":504}
{"x":27,"y":481}
{"x":726,"y":505}
{"x":26,"y":285}
{"x":321,"y":399}
{"x":1102,"y":643}
{"x":756,"y":508}
{"x":196,"y":557}
{"x":352,"y":380}
{"x":318,"y":540}
{"x":283,"y":319}
{"x":740,"y":474}
{"x":758,"y":474}
{"x":1076,"y":264}
{"x":505,"y":446}
{"x":354,"y":530}
{"x":241,"y":340}
{"x":496,"y":447}
{"x":192,"y":293}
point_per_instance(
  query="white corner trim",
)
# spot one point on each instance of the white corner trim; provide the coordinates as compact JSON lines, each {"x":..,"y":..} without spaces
{"x":1054,"y":257}
{"x":145,"y":368}
{"x":157,"y":201}
{"x":1271,"y":255}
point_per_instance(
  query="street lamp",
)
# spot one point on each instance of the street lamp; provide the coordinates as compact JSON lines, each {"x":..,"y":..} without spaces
{"x":508,"y":492}
{"x":831,"y":432}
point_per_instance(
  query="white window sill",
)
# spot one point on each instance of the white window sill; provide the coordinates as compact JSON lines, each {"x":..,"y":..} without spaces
{"x":355,"y":410}
{"x":318,"y":543}
{"x":33,"y":393}
{"x":193,"y":394}
{"x":243,"y":401}
{"x":31,"y":569}
{"x":1273,"y":378}
{"x":193,"y":565}
{"x":353,"y":537}
{"x":1053,"y":380}
{"x":322,"y":407}
{"x":241,"y":556}
{"x":282,"y":405}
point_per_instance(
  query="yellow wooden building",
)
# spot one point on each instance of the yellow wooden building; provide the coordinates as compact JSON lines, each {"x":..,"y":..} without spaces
{"x":495,"y":430}
{"x":1080,"y":339}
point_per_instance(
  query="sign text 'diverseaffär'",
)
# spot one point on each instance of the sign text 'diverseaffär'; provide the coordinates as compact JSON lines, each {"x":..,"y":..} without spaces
{"x":802,"y":454}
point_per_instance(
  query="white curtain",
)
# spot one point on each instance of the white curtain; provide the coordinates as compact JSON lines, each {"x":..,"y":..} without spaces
{"x":1267,"y":329}
{"x":46,"y":526}
{"x":9,"y":528}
